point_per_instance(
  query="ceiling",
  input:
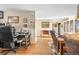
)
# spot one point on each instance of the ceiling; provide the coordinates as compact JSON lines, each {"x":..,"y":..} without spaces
{"x":45,"y":11}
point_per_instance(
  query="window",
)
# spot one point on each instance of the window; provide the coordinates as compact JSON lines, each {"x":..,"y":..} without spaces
{"x":25,"y":25}
{"x":45,"y":24}
{"x":67,"y":26}
{"x":76,"y":25}
{"x":71,"y":26}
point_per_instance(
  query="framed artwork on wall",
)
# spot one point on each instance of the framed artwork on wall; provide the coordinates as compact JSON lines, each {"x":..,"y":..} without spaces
{"x":25,"y":20}
{"x":45,"y":24}
{"x":13,"y":19}
{"x":1,"y":14}
{"x":32,"y":24}
{"x":25,"y":25}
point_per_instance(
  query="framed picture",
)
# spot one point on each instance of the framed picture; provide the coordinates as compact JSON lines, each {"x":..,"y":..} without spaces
{"x":25,"y":25}
{"x":31,"y":21}
{"x":1,"y":14}
{"x":13,"y":19}
{"x":25,"y":20}
{"x":32,"y":24}
{"x":45,"y":24}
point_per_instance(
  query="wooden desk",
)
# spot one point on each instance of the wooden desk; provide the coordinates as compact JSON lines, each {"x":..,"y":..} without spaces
{"x":60,"y":45}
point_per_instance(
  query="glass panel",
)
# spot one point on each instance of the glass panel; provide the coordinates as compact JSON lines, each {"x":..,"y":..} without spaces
{"x":64,"y":26}
{"x":71,"y":26}
{"x":76,"y":25}
{"x":67,"y":26}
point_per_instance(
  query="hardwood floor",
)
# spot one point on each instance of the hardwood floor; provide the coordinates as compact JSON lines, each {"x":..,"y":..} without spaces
{"x":41,"y":48}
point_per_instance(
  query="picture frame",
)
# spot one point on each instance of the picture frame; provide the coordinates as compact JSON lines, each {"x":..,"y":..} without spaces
{"x":1,"y":14}
{"x":25,"y":25}
{"x":32,"y":24}
{"x":76,"y":26}
{"x":13,"y":19}
{"x":25,"y":20}
{"x":45,"y":24}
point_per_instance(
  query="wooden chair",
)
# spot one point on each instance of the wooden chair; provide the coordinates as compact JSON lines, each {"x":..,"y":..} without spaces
{"x":58,"y":45}
{"x":55,"y":44}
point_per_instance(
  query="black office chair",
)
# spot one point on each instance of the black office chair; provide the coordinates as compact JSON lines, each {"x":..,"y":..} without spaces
{"x":55,"y":44}
{"x":23,"y":42}
{"x":6,"y":40}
